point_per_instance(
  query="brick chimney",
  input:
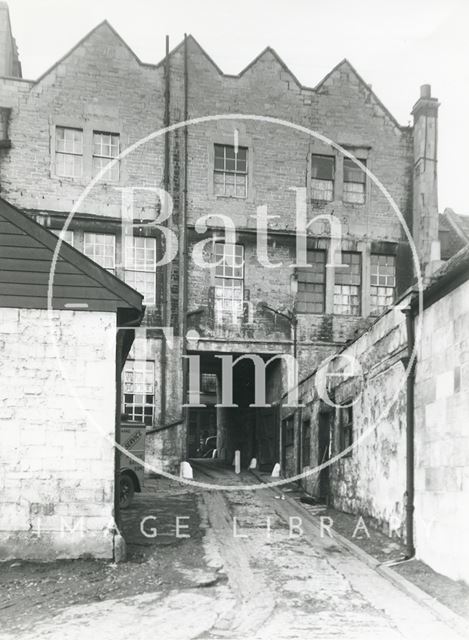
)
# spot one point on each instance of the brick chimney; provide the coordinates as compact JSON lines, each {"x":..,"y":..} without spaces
{"x":9,"y":61}
{"x":425,"y":189}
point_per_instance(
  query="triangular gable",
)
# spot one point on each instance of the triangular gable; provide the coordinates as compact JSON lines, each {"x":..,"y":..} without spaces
{"x":102,"y":25}
{"x":26,"y":258}
{"x":278,"y":60}
{"x":346,"y":64}
{"x":267,"y":50}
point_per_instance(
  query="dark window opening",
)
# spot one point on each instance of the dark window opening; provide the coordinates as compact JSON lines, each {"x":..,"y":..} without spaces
{"x":345,"y":428}
{"x":322,"y":177}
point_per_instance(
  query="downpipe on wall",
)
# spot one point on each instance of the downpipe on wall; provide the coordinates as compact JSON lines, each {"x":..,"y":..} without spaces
{"x":410,"y":429}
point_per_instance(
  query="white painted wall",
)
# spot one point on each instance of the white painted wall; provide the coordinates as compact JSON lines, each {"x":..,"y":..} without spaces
{"x":56,"y":433}
{"x":442,"y":437}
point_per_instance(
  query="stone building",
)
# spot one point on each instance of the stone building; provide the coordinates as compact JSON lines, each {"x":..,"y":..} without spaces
{"x":223,"y":173}
{"x":367,"y":412}
{"x":61,"y":358}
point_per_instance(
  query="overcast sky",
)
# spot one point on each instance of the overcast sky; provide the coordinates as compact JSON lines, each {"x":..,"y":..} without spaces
{"x":396,"y":45}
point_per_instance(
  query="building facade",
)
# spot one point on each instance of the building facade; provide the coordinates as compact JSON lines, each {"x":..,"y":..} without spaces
{"x":370,"y":410}
{"x":257,"y":152}
{"x":59,"y":408}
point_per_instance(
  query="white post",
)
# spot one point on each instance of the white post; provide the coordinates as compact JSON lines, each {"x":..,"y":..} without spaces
{"x":185,"y":470}
{"x":276,"y":471}
{"x":237,"y":461}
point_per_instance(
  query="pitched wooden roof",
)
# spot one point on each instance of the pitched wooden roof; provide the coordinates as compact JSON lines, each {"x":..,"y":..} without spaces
{"x":26,"y":259}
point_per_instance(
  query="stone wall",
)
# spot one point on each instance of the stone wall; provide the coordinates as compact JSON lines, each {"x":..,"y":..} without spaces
{"x":57,"y":421}
{"x":441,"y":436}
{"x":370,"y":479}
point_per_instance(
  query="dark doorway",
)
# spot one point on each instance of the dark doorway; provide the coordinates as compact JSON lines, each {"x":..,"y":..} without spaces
{"x":266,"y":438}
{"x":324,"y":442}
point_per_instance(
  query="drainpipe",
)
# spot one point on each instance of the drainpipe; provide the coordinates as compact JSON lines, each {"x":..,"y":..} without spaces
{"x":166,"y":286}
{"x":184,"y":252}
{"x":410,"y":464}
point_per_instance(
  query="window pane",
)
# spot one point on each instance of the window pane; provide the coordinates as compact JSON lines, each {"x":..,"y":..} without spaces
{"x":229,"y":284}
{"x":66,"y":236}
{"x":353,"y":173}
{"x":347,"y":288}
{"x":139,"y":386}
{"x":105,"y":147}
{"x":140,"y":253}
{"x":322,"y":189}
{"x":311,"y":283}
{"x":230,"y":171}
{"x":69,"y":140}
{"x":322,"y":167}
{"x":101,"y":248}
{"x":144,"y":282}
{"x":383,"y":282}
{"x":354,"y":192}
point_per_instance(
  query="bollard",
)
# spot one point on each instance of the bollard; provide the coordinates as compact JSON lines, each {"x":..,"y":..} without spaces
{"x":253,"y":464}
{"x":276,"y":471}
{"x":185,"y":471}
{"x":237,"y":461}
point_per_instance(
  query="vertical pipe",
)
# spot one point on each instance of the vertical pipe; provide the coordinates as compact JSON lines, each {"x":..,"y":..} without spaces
{"x":184,"y":251}
{"x":410,"y":384}
{"x":118,"y":378}
{"x":166,"y":310}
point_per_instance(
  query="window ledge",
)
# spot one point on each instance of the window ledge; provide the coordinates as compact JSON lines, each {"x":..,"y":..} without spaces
{"x":230,"y":197}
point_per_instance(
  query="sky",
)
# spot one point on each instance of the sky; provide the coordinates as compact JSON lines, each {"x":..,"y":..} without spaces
{"x":396,"y":45}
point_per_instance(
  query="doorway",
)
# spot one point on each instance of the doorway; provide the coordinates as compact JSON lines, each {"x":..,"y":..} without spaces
{"x":324,"y":454}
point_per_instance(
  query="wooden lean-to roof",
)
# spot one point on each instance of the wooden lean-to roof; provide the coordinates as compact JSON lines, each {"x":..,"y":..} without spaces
{"x":78,"y":283}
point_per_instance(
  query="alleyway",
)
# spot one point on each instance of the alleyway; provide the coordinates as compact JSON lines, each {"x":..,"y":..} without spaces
{"x":249,"y":570}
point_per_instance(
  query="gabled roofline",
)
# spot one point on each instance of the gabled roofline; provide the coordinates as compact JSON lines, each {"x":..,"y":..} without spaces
{"x":345,"y":61}
{"x":85,"y":37}
{"x":267,"y":49}
{"x":454,"y":222}
{"x":129,"y":296}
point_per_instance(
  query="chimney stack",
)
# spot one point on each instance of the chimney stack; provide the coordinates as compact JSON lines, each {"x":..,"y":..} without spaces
{"x":425,"y":191}
{"x":9,"y":61}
